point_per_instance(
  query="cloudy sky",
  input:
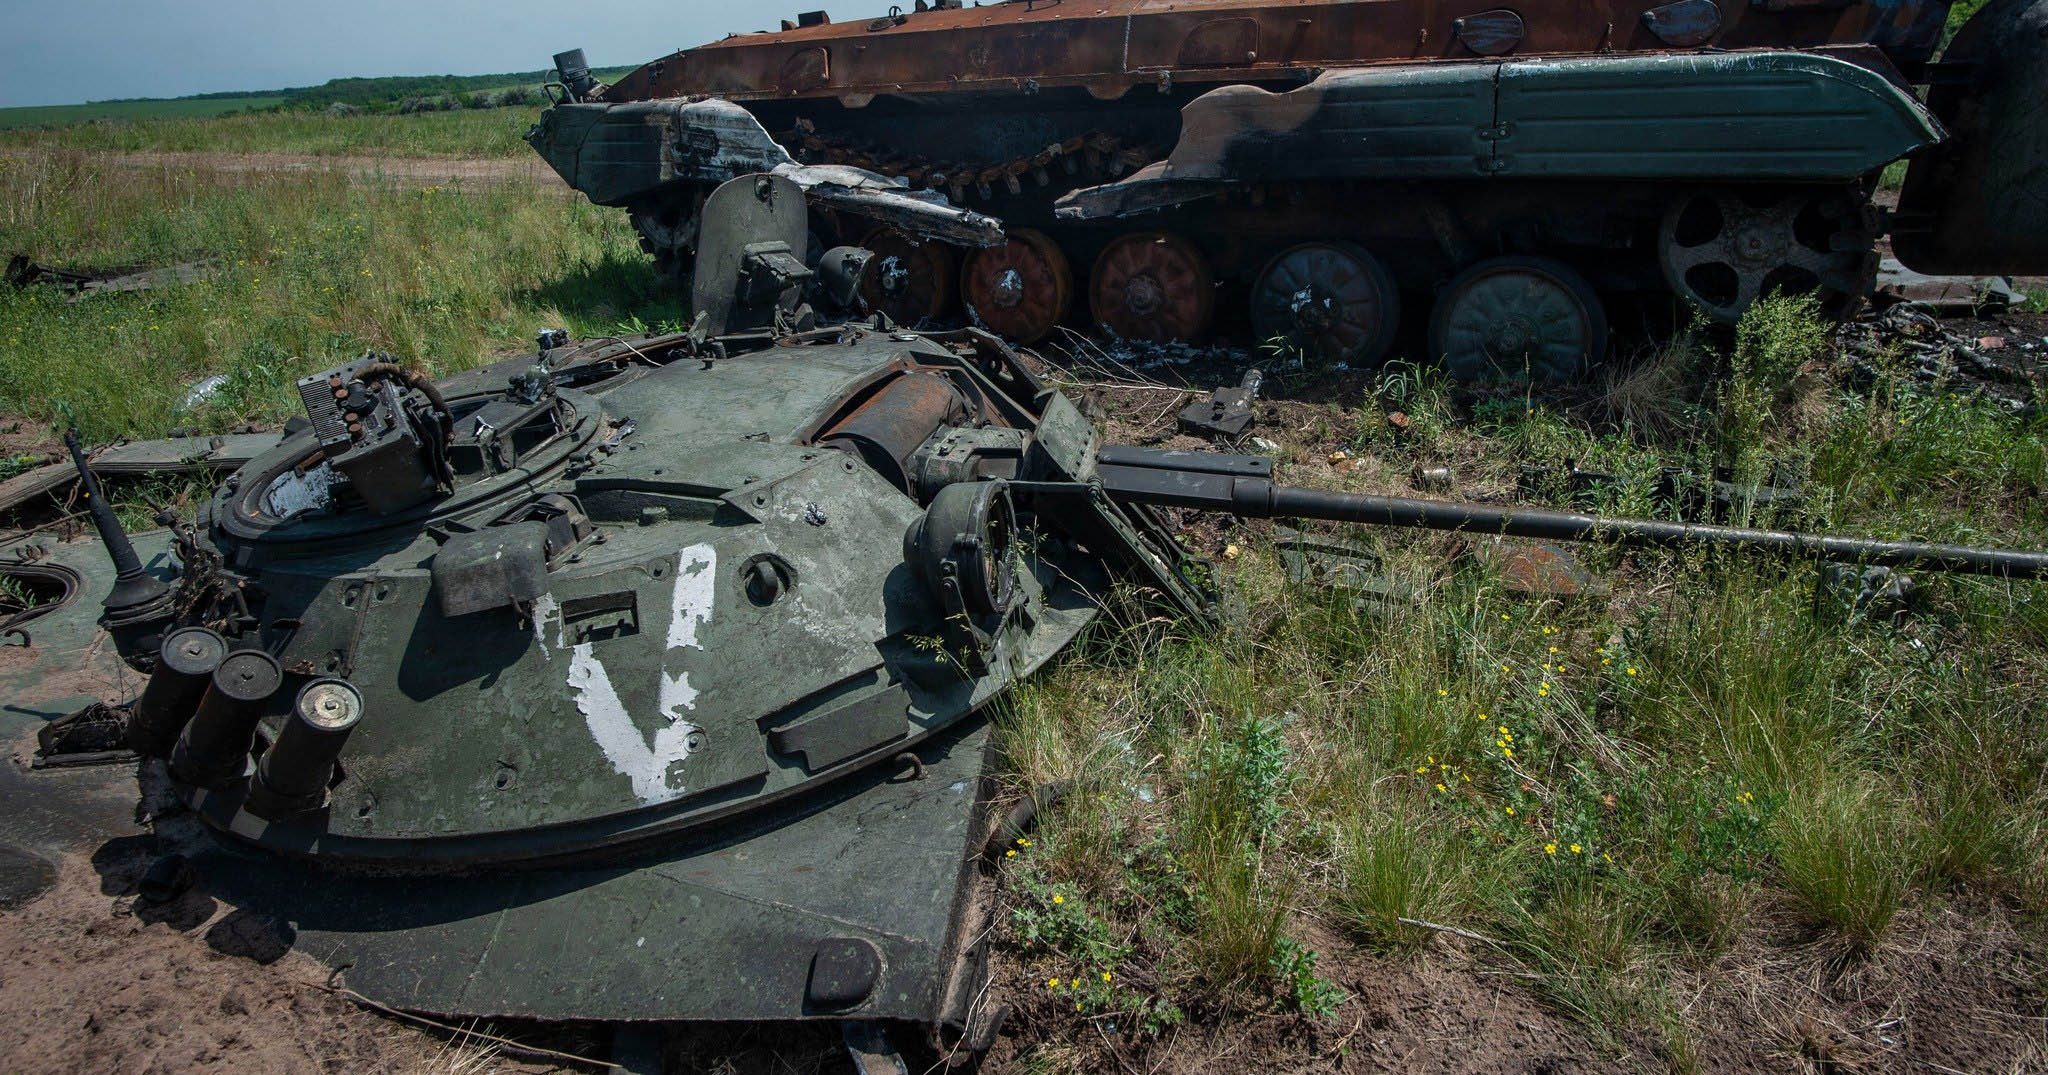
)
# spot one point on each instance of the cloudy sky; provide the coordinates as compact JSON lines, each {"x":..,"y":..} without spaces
{"x":80,"y":50}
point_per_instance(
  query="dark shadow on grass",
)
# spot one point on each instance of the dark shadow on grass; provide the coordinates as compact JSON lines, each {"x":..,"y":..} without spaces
{"x":609,"y":295}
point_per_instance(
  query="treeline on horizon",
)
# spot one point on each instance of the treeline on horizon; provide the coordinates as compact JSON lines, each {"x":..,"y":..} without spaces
{"x":396,"y":93}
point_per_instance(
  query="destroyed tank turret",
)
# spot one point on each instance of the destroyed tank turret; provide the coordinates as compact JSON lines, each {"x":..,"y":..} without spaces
{"x":645,"y":679}
{"x":1497,"y":174}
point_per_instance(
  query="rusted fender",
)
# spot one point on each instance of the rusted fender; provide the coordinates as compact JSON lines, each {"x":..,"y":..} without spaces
{"x":1765,"y":115}
{"x":1111,"y":47}
{"x":1980,"y":204}
{"x":618,"y":153}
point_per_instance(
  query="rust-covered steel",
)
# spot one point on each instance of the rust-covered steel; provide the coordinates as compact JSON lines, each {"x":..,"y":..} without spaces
{"x":1111,"y":47}
{"x":1167,"y":161}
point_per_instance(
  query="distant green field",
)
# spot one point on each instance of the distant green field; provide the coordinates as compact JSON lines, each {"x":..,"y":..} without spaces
{"x":470,"y":133}
{"x":372,"y":94}
{"x":57,"y":115}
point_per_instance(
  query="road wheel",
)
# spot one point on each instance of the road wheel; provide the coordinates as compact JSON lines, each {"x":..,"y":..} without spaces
{"x":1021,"y":289}
{"x":1332,"y":301}
{"x":911,"y":280}
{"x":668,"y":233}
{"x":1722,"y":248}
{"x":1510,"y":317}
{"x":1152,"y":286}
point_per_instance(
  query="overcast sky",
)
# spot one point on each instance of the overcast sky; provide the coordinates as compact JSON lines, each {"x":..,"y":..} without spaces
{"x":91,"y":50}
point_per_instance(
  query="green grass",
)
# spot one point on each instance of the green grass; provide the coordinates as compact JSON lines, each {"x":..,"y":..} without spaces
{"x":1616,"y":793}
{"x":472,"y":133}
{"x":310,"y":270}
{"x":179,"y":109}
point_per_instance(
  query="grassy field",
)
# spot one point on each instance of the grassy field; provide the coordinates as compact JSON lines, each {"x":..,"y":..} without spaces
{"x":475,"y":134}
{"x":312,"y":270}
{"x":1698,"y":815}
{"x":1706,"y":822}
{"x":65,"y":115}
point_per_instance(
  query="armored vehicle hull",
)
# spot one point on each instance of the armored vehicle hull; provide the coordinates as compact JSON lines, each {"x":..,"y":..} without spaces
{"x":1339,"y":168}
{"x":644,"y":680}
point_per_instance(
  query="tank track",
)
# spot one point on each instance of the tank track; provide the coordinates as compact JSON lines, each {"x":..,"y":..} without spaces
{"x":1084,"y":156}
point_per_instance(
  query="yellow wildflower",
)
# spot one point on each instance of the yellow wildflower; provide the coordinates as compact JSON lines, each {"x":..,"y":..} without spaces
{"x":1576,"y":849}
{"x":1440,"y":787}
{"x":1105,"y":976}
{"x":1511,"y":811}
{"x":1059,"y":899}
{"x":1010,"y":854}
{"x":1052,"y":983}
{"x":1550,"y":849}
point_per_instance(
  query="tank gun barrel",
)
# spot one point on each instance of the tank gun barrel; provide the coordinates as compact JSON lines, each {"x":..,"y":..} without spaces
{"x":1241,"y":485}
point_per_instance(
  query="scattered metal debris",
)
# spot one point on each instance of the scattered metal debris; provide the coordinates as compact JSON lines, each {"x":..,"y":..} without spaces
{"x":1945,"y":294}
{"x":95,"y":735}
{"x":22,"y":272}
{"x":1227,"y":412}
{"x":1326,"y":561}
{"x":172,"y":455}
{"x":1535,"y":569}
{"x":1869,"y":594}
{"x":1432,"y":479}
{"x":1911,"y":332}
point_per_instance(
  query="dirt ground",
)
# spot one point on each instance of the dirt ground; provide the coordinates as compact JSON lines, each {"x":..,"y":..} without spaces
{"x":1957,"y":992}
{"x":94,"y":980}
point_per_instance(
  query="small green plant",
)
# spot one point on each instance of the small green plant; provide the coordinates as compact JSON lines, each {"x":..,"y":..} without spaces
{"x":1307,"y":992}
{"x":18,"y":463}
{"x":1053,"y":917}
{"x":1777,"y":339}
{"x":16,"y":595}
